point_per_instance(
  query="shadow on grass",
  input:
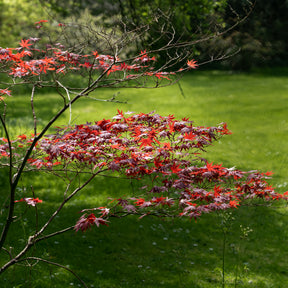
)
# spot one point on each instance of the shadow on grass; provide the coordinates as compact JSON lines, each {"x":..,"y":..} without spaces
{"x":151,"y":252}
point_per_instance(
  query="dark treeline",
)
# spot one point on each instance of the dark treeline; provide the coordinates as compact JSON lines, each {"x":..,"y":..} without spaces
{"x":261,"y":38}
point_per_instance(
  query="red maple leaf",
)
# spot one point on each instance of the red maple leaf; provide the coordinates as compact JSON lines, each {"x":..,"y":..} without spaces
{"x":190,"y":136}
{"x":233,"y":204}
{"x":22,"y":137}
{"x":86,"y":222}
{"x":5,"y":92}
{"x":25,"y":43}
{"x":40,"y":21}
{"x":217,"y":191}
{"x":174,"y":168}
{"x":192,"y":64}
{"x":140,"y":202}
{"x":225,"y":130}
{"x":146,"y":142}
{"x":30,"y":201}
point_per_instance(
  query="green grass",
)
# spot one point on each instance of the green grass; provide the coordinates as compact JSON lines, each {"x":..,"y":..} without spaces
{"x":180,"y":253}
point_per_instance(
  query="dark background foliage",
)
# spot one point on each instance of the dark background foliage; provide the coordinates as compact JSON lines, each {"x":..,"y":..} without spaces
{"x":262,"y":37}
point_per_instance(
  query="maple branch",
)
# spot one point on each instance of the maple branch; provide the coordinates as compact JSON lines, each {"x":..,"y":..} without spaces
{"x":63,"y":203}
{"x":10,"y":150}
{"x":9,"y":219}
{"x":54,"y":234}
{"x":69,"y":103}
{"x":113,"y":99}
{"x":54,"y":264}
{"x":33,"y":239}
{"x":15,"y":179}
{"x":36,"y":211}
{"x":8,"y":252}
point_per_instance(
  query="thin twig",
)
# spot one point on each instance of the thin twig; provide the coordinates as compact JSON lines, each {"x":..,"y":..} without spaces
{"x":8,"y":252}
{"x":54,"y":234}
{"x":55,"y":264}
{"x":69,"y":103}
{"x":36,"y":211}
{"x":33,"y":110}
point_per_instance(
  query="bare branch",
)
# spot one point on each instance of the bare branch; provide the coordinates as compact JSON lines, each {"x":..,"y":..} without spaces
{"x":69,"y":99}
{"x":33,"y":110}
{"x":54,"y":264}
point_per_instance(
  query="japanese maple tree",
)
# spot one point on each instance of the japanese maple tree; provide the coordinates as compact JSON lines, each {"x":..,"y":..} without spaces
{"x":161,"y":151}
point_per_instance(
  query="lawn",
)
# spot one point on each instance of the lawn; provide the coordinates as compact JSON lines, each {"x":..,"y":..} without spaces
{"x":179,"y":253}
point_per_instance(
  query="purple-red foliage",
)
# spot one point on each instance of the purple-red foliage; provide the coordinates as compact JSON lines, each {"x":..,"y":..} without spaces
{"x":137,"y":145}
